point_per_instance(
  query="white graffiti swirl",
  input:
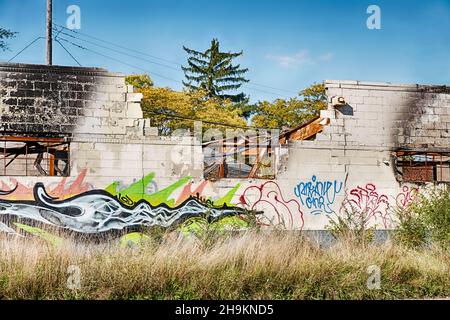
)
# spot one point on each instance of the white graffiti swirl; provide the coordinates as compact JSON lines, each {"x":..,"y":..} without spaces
{"x":97,"y":211}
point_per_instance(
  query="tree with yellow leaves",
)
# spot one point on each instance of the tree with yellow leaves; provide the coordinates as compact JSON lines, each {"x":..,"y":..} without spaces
{"x":170,"y":110}
{"x":292,"y":112}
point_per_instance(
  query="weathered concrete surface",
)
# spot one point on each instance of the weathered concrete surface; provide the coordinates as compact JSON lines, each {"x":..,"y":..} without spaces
{"x":351,"y":158}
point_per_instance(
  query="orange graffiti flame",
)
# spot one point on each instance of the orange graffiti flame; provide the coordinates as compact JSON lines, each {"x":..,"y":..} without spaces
{"x":187,"y":191}
{"x":63,"y":190}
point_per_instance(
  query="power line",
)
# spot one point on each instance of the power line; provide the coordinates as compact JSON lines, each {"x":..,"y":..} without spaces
{"x":119,"y":46}
{"x":158,"y":58}
{"x":118,"y":51}
{"x":206,"y":121}
{"x":26,"y":47}
{"x":162,"y":113}
{"x":263,"y":91}
{"x":139,"y":68}
{"x":136,"y":57}
{"x":274,"y":88}
{"x":119,"y":61}
{"x":68,"y":52}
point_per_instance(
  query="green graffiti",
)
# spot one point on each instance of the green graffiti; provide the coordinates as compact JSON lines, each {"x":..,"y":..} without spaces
{"x":226,"y":199}
{"x":54,"y":240}
{"x":194,"y":226}
{"x":134,"y":239}
{"x":137,"y":191}
{"x":162,"y":196}
{"x":137,"y":188}
{"x":233,"y":223}
{"x":200,"y":226}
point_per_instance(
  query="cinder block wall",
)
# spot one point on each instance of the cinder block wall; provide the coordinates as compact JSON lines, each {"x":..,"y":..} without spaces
{"x":65,"y":100}
{"x":351,"y":158}
{"x":389,"y":115}
{"x":102,"y":118}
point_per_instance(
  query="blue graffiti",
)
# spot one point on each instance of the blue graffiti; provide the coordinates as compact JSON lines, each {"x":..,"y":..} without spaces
{"x":318,"y":196}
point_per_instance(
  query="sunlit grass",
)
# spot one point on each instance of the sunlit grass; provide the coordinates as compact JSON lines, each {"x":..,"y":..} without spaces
{"x":251,"y":265}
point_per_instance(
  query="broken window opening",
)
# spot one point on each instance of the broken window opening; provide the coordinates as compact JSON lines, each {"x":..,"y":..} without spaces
{"x":31,"y":156}
{"x":240,"y":157}
{"x":421,"y":167}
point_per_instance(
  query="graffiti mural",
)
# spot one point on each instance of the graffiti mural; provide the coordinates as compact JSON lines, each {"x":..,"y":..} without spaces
{"x":318,"y":196}
{"x":406,"y":197}
{"x":114,"y":208}
{"x":63,"y":190}
{"x":368,"y":203}
{"x":268,"y":197}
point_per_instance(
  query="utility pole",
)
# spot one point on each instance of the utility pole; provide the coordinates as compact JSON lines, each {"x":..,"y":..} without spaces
{"x":49,"y":33}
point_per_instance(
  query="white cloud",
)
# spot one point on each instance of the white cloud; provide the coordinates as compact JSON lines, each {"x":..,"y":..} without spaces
{"x":302,"y":57}
{"x":326,"y":56}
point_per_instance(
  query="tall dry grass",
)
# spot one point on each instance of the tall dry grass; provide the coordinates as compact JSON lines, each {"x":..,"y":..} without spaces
{"x":252,"y":265}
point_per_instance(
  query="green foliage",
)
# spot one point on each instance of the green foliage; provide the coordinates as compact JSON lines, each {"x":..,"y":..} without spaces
{"x":292,"y":112}
{"x":5,"y":34}
{"x":426,"y":220}
{"x":139,"y":81}
{"x":351,"y":224}
{"x":213,"y":72}
{"x":170,"y":110}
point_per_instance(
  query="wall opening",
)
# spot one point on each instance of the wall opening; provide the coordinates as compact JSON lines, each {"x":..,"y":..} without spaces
{"x":420,"y":167}
{"x":243,"y":157}
{"x":34,"y":156}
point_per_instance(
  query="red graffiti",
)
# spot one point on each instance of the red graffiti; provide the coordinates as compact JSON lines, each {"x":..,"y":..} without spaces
{"x":406,"y":197}
{"x":258,"y":198}
{"x":367,"y":202}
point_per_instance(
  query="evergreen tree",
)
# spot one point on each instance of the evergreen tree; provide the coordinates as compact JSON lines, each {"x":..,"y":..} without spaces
{"x":213,"y":72}
{"x":5,"y":34}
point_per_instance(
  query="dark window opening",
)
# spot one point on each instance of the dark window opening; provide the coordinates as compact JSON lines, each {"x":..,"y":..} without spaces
{"x":31,"y":156}
{"x":422,"y":167}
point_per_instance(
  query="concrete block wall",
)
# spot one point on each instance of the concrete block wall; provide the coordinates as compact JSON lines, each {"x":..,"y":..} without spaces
{"x":128,"y":160}
{"x":350,"y":159}
{"x":355,"y":150}
{"x":389,"y":115}
{"x":36,"y":99}
{"x":102,"y":118}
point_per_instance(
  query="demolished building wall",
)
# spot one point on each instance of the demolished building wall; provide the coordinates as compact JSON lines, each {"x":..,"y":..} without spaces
{"x":354,"y":157}
{"x":93,"y":109}
{"x":114,"y":150}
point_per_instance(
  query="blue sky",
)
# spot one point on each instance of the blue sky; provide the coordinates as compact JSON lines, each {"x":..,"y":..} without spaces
{"x":287,"y":44}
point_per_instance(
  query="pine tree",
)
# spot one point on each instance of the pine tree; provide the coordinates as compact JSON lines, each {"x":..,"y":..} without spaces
{"x":5,"y":34}
{"x":213,"y":72}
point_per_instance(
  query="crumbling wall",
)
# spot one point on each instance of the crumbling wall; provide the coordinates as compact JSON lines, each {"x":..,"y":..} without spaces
{"x":352,"y":159}
{"x":101,"y":117}
{"x":114,"y":149}
{"x":56,"y":100}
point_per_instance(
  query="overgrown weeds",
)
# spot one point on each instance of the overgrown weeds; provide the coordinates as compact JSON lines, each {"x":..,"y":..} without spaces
{"x":245,"y":265}
{"x":426,"y":220}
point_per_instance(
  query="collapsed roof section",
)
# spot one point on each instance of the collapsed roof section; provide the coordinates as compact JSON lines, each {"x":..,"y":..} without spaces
{"x":254,"y":155}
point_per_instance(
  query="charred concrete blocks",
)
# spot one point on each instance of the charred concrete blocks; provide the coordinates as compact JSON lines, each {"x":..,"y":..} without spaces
{"x":51,"y":100}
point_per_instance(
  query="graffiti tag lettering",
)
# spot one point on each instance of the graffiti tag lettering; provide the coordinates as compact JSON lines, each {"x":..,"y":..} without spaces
{"x":370,"y":204}
{"x":318,"y":196}
{"x":268,"y":198}
{"x":406,"y":197}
